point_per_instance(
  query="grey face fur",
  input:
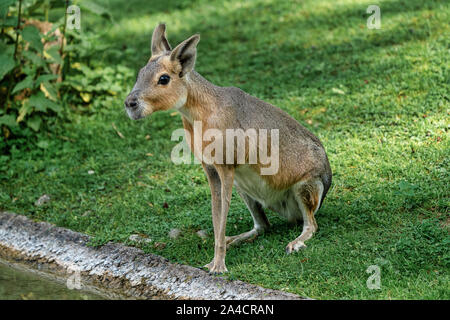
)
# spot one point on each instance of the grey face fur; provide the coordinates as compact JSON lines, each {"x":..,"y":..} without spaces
{"x":150,"y":93}
{"x":135,"y":104}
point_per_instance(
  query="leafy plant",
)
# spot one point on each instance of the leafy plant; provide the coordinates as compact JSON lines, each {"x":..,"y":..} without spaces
{"x":87,"y":78}
{"x":41,"y":71}
{"x":26,"y":74}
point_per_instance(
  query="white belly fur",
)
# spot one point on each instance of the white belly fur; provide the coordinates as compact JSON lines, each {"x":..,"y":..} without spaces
{"x":256,"y":187}
{"x":283,"y":202}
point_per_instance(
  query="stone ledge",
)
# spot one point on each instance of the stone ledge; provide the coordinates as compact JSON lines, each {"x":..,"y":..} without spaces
{"x":115,"y":270}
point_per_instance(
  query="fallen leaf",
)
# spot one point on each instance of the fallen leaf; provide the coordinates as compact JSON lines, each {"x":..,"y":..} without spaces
{"x":338,"y":91}
{"x":42,"y":200}
{"x":159,"y":245}
{"x":86,"y":96}
{"x":50,"y":92}
{"x":117,"y":131}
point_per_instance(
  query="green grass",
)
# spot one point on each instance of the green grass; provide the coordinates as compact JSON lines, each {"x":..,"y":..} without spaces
{"x":385,"y":131}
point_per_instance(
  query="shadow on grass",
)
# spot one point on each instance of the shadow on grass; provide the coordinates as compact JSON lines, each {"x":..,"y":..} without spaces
{"x":246,"y":47}
{"x":130,"y":9}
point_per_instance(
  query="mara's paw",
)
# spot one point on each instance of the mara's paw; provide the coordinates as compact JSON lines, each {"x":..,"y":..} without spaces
{"x":209,"y":265}
{"x":230,"y":239}
{"x":217,"y":268}
{"x":295,"y":246}
{"x":243,"y":237}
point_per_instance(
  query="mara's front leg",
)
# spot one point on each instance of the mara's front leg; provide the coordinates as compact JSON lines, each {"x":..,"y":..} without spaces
{"x":226,"y":175}
{"x":216,"y":202}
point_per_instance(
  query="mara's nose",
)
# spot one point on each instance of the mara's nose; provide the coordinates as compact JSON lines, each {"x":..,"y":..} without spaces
{"x":131,"y":102}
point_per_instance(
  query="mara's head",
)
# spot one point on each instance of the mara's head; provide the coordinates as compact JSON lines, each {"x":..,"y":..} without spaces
{"x":162,"y":83}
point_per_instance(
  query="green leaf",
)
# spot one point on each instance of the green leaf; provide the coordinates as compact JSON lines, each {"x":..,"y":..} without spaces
{"x":43,"y":144}
{"x":41,"y":103}
{"x":8,"y":120}
{"x":49,"y":90}
{"x":34,"y":122}
{"x":34,"y":58}
{"x":26,"y":83}
{"x":23,"y":111}
{"x":57,"y":4}
{"x":8,"y":22}
{"x":4,"y":6}
{"x":7,"y":49}
{"x":7,"y":63}
{"x":53,"y":54}
{"x":37,"y":5}
{"x":45,"y":78}
{"x":95,"y":8}
{"x":29,"y":70}
{"x":33,"y":37}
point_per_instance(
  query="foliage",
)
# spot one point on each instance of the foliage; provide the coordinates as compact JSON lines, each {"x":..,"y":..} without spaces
{"x":39,"y":77}
{"x":90,"y":78}
{"x":30,"y":91}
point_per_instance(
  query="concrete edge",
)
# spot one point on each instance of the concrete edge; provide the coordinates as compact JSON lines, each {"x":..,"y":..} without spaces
{"x":115,"y":270}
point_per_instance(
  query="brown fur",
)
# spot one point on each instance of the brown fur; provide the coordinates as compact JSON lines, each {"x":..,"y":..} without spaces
{"x":304,"y":174}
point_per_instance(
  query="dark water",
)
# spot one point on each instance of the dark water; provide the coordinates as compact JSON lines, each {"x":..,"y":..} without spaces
{"x":19,"y":285}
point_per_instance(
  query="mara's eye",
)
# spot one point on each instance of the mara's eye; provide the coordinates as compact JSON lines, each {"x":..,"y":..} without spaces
{"x":164,"y":79}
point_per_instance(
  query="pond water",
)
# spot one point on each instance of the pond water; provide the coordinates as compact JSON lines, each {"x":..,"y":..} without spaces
{"x":17,"y":284}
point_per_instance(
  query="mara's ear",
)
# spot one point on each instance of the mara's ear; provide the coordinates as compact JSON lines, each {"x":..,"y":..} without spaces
{"x":185,"y":53}
{"x":159,"y":41}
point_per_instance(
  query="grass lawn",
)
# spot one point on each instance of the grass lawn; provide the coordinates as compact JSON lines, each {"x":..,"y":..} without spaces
{"x":377,"y":99}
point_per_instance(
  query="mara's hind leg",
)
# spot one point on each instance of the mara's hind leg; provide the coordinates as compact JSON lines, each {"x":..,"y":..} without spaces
{"x":260,"y":222}
{"x":308,"y":195}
